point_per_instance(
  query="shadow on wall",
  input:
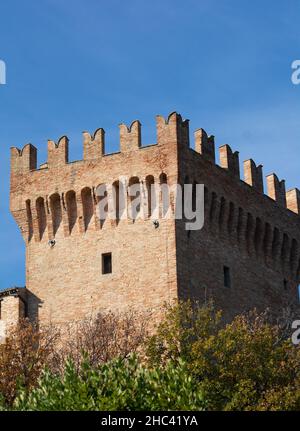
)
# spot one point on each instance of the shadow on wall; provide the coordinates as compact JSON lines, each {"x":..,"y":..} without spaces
{"x":33,"y":305}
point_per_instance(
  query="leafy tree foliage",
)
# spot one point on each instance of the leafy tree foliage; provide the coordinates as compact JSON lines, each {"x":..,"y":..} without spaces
{"x":121,"y":384}
{"x":245,"y":365}
{"x":192,"y":361}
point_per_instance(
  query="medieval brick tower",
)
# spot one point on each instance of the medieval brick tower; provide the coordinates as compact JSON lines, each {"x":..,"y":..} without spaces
{"x":246,"y":255}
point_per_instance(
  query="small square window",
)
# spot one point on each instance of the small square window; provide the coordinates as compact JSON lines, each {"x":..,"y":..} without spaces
{"x":227,"y":281}
{"x":106,"y":263}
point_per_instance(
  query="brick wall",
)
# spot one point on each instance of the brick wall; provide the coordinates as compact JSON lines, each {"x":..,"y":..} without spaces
{"x":12,"y":309}
{"x":254,"y":235}
{"x":65,"y":281}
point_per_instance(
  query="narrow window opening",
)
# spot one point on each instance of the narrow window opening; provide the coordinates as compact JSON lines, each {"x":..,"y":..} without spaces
{"x":164,"y":194}
{"x":134,"y":197}
{"x":150,"y":194}
{"x":87,"y":206}
{"x":106,"y":263}
{"x":41,"y":216}
{"x":71,"y":209}
{"x":227,"y":281}
{"x":285,"y":284}
{"x":56,"y":212}
{"x":29,"y":219}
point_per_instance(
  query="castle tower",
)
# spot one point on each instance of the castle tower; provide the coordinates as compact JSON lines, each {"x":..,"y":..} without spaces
{"x":246,"y":254}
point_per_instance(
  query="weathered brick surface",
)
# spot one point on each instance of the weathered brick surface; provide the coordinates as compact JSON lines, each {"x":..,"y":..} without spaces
{"x":12,"y":308}
{"x":245,"y":230}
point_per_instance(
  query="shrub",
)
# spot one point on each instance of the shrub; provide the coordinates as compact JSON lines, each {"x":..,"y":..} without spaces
{"x":192,"y":362}
{"x":181,"y":327}
{"x":121,"y":384}
{"x":23,"y":357}
{"x":29,"y":349}
{"x":104,"y":337}
{"x":246,"y":365}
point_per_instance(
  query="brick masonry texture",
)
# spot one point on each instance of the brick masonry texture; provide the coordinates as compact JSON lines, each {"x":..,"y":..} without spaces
{"x":256,"y":236}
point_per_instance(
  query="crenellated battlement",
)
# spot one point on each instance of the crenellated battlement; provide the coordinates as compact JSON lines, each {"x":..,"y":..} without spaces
{"x":22,"y":161}
{"x":130,"y":137}
{"x":230,"y":160}
{"x":276,"y":189}
{"x":58,"y":153}
{"x":94,"y":145}
{"x":293,"y":200}
{"x":253,"y":175}
{"x":205,"y":145}
{"x":172,"y":130}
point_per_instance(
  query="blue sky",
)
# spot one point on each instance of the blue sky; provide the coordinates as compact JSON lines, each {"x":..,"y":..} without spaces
{"x":82,"y":64}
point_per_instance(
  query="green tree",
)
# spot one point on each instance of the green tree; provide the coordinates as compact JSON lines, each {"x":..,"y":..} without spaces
{"x":245,"y":365}
{"x":122,"y":384}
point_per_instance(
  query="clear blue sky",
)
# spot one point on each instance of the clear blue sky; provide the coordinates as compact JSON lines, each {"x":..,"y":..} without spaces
{"x":79,"y":65}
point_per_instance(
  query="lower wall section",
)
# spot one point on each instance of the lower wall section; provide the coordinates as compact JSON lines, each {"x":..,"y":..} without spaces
{"x":66,"y":281}
{"x":250,"y":283}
